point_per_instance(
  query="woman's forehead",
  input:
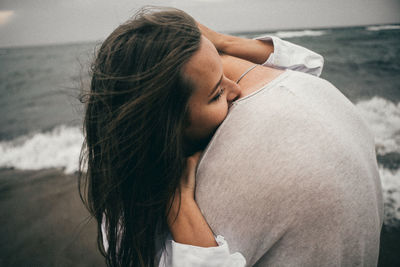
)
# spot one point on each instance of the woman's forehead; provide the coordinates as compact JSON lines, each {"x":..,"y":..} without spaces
{"x":204,"y":68}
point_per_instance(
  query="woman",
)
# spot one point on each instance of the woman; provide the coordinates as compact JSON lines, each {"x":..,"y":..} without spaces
{"x":159,"y":90}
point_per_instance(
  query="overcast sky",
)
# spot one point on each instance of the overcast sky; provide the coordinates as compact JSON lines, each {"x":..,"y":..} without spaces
{"x":27,"y":22}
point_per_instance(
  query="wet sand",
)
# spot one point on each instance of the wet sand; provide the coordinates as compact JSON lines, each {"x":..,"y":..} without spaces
{"x":44,"y":223}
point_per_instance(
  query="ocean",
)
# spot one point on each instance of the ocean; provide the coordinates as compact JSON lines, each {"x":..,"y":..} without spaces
{"x":41,"y":115}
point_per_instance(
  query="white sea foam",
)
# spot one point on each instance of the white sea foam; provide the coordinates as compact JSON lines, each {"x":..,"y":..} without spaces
{"x":383,"y":27}
{"x":383,"y":118}
{"x":291,"y":34}
{"x":391,"y":193}
{"x":58,"y":148}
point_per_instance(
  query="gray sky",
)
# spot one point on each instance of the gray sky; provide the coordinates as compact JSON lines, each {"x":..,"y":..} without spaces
{"x":26,"y":22}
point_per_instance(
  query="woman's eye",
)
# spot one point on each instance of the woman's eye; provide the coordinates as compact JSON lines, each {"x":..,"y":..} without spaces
{"x":218,"y":95}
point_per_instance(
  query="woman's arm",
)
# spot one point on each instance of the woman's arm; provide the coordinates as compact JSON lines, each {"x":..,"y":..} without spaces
{"x":186,"y":223}
{"x":194,"y":244}
{"x":256,"y":51}
{"x":267,"y":50}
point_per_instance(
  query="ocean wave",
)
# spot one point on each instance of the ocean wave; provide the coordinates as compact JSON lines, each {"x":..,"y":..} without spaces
{"x":383,"y":118}
{"x":391,"y":194}
{"x":383,"y":27}
{"x":291,"y":34}
{"x":58,"y":148}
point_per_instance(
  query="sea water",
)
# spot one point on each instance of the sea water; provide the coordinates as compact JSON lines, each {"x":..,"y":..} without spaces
{"x":41,"y":116}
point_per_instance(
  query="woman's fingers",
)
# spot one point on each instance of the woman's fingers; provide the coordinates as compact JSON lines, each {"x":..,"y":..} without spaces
{"x":215,"y":37}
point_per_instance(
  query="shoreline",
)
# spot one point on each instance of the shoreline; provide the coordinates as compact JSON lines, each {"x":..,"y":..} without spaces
{"x":44,"y":223}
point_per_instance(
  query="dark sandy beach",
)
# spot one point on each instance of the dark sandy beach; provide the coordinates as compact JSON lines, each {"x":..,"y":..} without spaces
{"x":44,"y":223}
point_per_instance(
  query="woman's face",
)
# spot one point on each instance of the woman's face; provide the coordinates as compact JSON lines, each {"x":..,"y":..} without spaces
{"x":213,"y":94}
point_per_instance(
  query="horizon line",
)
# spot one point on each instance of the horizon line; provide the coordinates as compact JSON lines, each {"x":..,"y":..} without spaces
{"x":81,"y":42}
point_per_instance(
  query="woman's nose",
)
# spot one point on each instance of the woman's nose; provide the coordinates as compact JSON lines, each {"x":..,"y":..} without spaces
{"x":234,"y":92}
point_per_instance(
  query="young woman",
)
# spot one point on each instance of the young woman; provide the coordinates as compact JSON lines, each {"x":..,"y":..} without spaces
{"x":159,"y":91}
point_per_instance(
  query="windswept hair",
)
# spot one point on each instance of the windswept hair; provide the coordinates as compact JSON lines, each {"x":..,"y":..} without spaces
{"x":136,"y":110}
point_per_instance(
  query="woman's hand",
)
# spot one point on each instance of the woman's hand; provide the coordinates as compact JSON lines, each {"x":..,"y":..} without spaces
{"x":186,"y":223}
{"x":218,"y":39}
{"x":185,"y":193}
{"x":252,"y":50}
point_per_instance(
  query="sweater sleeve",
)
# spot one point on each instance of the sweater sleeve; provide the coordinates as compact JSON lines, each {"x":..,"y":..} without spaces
{"x":287,"y":55}
{"x":181,"y":255}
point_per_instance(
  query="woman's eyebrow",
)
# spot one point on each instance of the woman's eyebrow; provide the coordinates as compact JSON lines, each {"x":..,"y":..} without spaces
{"x":216,"y":86}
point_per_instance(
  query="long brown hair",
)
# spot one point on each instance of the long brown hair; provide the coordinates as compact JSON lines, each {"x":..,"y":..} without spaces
{"x":133,"y":154}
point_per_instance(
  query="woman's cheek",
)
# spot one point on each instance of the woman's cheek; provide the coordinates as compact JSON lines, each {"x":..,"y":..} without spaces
{"x":222,"y":113}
